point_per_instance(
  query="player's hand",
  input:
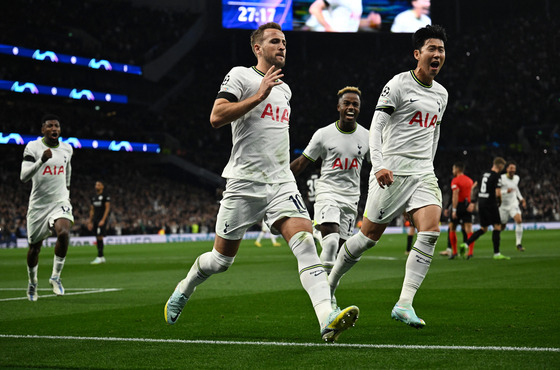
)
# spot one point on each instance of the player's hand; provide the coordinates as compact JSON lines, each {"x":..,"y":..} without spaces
{"x":454,"y":215}
{"x":523,"y":204}
{"x":384,"y":178}
{"x":271,"y":78}
{"x":89,"y":226}
{"x":470,"y":207}
{"x":101,"y":223}
{"x":47,"y":154}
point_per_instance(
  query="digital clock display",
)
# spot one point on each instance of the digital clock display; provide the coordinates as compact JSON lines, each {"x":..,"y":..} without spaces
{"x":250,"y":14}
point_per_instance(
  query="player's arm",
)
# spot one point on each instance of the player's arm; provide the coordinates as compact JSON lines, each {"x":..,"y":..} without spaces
{"x":436,"y":140}
{"x":105,"y":214}
{"x":227,"y":108}
{"x":30,"y":166}
{"x":90,"y":221}
{"x":378,"y":123}
{"x":316,"y":9}
{"x":454,"y":202}
{"x":499,"y":195}
{"x":519,"y":196}
{"x":68,"y":174}
{"x":299,"y":164}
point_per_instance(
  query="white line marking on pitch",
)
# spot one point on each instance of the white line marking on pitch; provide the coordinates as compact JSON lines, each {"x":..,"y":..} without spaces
{"x":80,"y":291}
{"x":284,"y":344}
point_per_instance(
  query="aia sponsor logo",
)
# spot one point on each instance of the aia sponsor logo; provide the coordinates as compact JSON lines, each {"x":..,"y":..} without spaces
{"x":54,"y":170}
{"x":276,"y":113}
{"x":345,"y":163}
{"x":424,"y":120}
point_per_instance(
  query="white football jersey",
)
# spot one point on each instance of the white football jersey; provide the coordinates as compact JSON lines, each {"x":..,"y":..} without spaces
{"x":513,"y":197}
{"x":342,"y":153}
{"x":406,"y":22}
{"x":410,"y":138}
{"x":261,"y":142}
{"x":341,"y":15}
{"x":51,"y":179}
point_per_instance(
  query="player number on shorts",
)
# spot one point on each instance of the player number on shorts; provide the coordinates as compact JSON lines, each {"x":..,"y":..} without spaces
{"x":298,"y":202}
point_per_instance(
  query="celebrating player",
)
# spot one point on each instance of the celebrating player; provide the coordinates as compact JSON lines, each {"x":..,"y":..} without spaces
{"x":511,"y":196}
{"x":98,"y":218}
{"x":403,"y":139}
{"x":489,"y":199}
{"x":260,"y":184}
{"x":46,"y":162}
{"x":342,"y":145}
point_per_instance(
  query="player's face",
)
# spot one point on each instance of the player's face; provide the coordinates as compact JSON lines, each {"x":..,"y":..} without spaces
{"x":454,"y":171}
{"x":51,"y":130}
{"x":511,"y":170}
{"x":98,"y":187}
{"x":431,"y":57}
{"x":349,"y":107}
{"x":273,"y":47}
{"x":422,"y":5}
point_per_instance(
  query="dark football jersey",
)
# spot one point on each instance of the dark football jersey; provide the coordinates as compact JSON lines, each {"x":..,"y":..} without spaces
{"x":99,"y":202}
{"x":487,"y":191}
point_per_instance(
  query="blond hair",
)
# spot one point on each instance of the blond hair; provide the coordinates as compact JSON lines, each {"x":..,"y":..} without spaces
{"x":349,"y":89}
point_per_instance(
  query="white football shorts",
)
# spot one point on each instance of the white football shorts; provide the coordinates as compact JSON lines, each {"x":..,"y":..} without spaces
{"x":508,"y":212}
{"x":405,"y":194}
{"x":40,"y":220}
{"x":246,"y":203}
{"x":342,"y":214}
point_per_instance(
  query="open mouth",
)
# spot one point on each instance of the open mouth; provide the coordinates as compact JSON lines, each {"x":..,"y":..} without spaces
{"x":434,"y":64}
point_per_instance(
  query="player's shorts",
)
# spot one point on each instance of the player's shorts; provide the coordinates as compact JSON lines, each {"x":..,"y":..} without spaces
{"x":488,"y":214}
{"x":507,"y":212}
{"x":463,"y":216}
{"x":246,"y":203}
{"x":407,"y":193}
{"x":99,"y":230}
{"x":40,"y":220}
{"x":342,"y":214}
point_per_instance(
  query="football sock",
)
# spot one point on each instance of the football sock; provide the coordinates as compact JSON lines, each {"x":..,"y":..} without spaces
{"x":348,"y":256}
{"x":496,"y":241}
{"x":58,"y":264}
{"x":311,"y":273}
{"x":471,"y":246}
{"x":417,"y":264}
{"x":518,"y":233}
{"x":329,"y":246}
{"x":259,"y":237}
{"x":453,"y":240}
{"x":32,"y":274}
{"x":272,"y":238}
{"x":206,"y":265}
{"x":409,"y":242}
{"x":100,"y":248}
{"x":475,"y":236}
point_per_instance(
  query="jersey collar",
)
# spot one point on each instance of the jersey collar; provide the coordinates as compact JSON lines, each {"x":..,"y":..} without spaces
{"x":418,"y":81}
{"x":345,"y":132}
{"x":45,"y":142}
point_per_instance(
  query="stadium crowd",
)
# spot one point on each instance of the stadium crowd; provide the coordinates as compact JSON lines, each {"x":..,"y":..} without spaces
{"x":492,"y":110}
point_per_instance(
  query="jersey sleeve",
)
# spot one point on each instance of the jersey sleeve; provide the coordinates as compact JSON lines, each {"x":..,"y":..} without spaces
{"x":314,"y":148}
{"x":390,"y":95}
{"x":30,"y":164}
{"x":233,"y":84}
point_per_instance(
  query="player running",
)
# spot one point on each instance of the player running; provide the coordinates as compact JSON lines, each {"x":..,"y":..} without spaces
{"x":46,"y":162}
{"x":260,"y":184}
{"x":342,"y":146}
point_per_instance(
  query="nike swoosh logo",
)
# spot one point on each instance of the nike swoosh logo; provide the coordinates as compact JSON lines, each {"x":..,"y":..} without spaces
{"x":332,"y":148}
{"x":174,"y":318}
{"x":317,"y":273}
{"x":413,"y":100}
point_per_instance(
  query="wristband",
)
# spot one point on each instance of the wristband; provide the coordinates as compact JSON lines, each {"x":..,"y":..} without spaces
{"x":454,"y":210}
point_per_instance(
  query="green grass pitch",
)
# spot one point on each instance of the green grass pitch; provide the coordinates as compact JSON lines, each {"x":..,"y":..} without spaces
{"x":479,"y":313}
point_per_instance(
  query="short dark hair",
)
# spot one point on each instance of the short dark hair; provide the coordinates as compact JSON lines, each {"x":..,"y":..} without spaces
{"x":511,"y":162}
{"x":429,"y":32}
{"x":257,"y":35}
{"x":49,"y":117}
{"x":460,"y":166}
